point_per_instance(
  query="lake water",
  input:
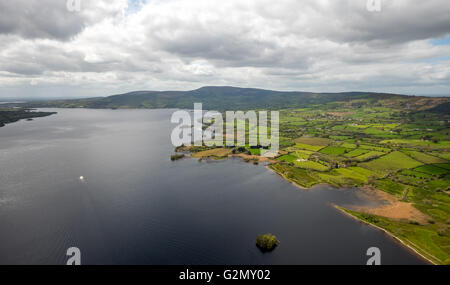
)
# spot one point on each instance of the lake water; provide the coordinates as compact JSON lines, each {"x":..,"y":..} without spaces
{"x":135,"y":206}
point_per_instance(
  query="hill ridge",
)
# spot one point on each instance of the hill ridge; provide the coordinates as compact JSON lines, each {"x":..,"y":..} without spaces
{"x":237,"y":98}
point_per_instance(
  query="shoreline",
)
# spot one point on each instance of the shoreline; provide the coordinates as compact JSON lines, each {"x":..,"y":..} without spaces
{"x":288,"y":180}
{"x":301,"y":187}
{"x":21,"y":114}
{"x":341,"y":210}
{"x":409,"y":245}
{"x":404,"y":243}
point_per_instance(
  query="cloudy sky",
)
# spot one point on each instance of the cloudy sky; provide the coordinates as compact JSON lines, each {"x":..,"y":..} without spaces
{"x":50,"y":49}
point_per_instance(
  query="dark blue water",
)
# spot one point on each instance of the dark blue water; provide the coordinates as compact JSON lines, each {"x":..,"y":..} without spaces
{"x":135,"y":206}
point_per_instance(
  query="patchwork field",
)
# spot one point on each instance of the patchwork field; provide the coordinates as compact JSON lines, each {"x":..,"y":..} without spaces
{"x":423,"y":157}
{"x":391,"y":162}
{"x":311,"y":165}
{"x":399,"y":156}
{"x":355,"y":173}
{"x":216,"y":152}
{"x":356,"y":152}
{"x":334,"y":150}
{"x":404,"y":154}
{"x":432,"y":169}
{"x":369,"y":155}
{"x":309,"y":147}
{"x":287,"y":158}
{"x":423,"y":143}
{"x":313,"y":141}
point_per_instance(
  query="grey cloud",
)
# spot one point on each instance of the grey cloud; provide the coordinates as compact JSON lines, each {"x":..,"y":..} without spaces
{"x":397,"y":23}
{"x":331,"y":45}
{"x":235,"y":39}
{"x":50,"y":19}
{"x":39,"y":19}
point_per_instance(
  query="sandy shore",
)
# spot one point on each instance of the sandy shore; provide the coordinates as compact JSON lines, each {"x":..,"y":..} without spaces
{"x":392,"y":207}
{"x":408,"y":244}
{"x":254,"y":157}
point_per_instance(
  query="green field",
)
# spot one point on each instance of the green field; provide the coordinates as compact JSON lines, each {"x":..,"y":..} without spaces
{"x":356,"y":152}
{"x":311,"y":165}
{"x":444,"y":165}
{"x":348,"y":145}
{"x":394,"y":188}
{"x":297,"y":175}
{"x":334,"y":150}
{"x":309,"y":147}
{"x":369,"y":155}
{"x":378,"y":144}
{"x":423,"y":157}
{"x":391,"y":162}
{"x":417,"y":174}
{"x":375,"y":148}
{"x":432,"y":169}
{"x":423,"y":143}
{"x":444,"y":155}
{"x":395,"y":154}
{"x":355,"y":173}
{"x":302,"y":154}
{"x":287,"y":158}
{"x":313,"y":141}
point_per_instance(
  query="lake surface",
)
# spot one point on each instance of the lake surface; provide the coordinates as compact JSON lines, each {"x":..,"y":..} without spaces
{"x":135,"y":206}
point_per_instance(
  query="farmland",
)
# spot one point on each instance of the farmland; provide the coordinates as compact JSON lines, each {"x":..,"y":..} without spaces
{"x":404,"y":154}
{"x":392,"y":144}
{"x":391,"y":162}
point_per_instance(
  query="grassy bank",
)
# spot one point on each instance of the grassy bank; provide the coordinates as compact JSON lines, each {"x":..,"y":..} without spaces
{"x":423,"y":239}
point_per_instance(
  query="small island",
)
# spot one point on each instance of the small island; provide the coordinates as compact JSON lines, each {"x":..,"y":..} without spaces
{"x":267,"y":242}
{"x":176,"y":157}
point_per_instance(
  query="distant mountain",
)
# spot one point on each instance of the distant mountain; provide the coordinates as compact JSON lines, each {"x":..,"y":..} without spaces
{"x":232,"y":98}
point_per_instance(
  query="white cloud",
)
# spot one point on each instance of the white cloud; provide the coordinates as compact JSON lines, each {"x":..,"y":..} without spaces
{"x":326,"y":45}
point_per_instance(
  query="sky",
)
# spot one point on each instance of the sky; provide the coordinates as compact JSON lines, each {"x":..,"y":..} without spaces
{"x":59,"y":49}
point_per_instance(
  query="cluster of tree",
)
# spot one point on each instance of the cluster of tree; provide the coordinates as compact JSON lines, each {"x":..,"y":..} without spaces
{"x":176,"y":157}
{"x":13,"y":115}
{"x":267,"y":242}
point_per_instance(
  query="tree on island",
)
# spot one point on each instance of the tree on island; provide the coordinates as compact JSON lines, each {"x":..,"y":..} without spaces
{"x":267,"y":242}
